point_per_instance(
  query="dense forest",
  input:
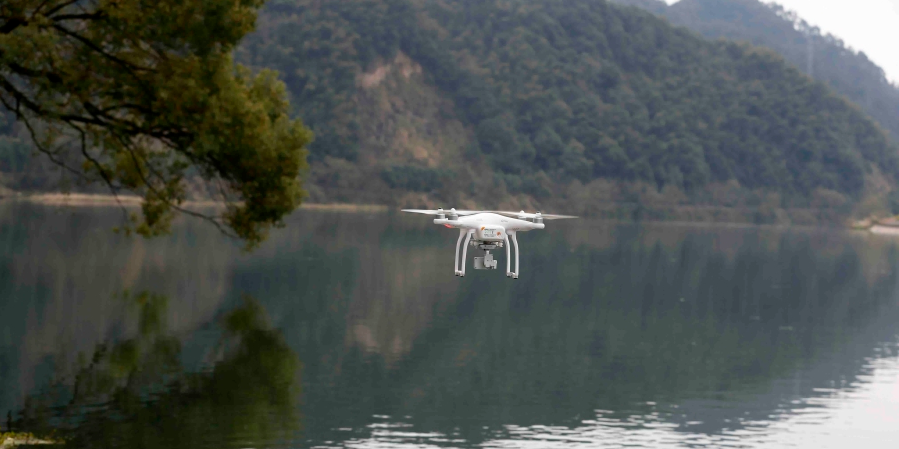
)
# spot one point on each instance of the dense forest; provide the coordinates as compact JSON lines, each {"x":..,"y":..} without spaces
{"x":573,"y":90}
{"x":495,"y":102}
{"x":823,"y":56}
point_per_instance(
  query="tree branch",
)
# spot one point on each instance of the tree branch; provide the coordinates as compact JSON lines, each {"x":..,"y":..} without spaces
{"x":87,"y":42}
{"x":164,"y":199}
{"x":20,"y":97}
{"x":87,"y":16}
{"x":58,"y":8}
{"x":12,"y":24}
{"x":105,"y":176}
{"x":48,"y":152}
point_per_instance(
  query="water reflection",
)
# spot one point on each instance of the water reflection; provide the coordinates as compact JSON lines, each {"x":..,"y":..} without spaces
{"x":646,"y":335}
{"x":137,"y":392}
{"x":722,"y":338}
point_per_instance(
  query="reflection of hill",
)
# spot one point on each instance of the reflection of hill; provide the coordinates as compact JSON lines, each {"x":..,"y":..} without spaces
{"x":606,"y":328}
{"x":604,"y":317}
{"x":377,"y":273}
{"x":837,"y":367}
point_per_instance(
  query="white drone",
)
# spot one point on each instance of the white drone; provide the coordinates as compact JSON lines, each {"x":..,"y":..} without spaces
{"x":491,"y":229}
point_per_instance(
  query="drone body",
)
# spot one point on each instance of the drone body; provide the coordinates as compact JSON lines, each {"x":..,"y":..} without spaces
{"x":487,"y":230}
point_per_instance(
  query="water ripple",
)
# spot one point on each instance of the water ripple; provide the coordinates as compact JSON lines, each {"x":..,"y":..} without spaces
{"x":830,"y":417}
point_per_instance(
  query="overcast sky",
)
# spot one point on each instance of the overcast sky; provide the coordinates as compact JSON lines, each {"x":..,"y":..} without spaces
{"x":871,"y":26}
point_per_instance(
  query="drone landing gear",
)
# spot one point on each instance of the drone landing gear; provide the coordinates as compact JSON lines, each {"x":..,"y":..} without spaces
{"x":463,"y":233}
{"x":509,"y":272}
{"x":487,"y":262}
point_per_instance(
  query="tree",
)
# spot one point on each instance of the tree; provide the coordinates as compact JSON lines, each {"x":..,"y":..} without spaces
{"x":142,"y":94}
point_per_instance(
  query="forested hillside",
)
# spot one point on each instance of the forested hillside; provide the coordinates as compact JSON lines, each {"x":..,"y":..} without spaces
{"x":547,"y":92}
{"x":825,"y":57}
{"x":559,"y":103}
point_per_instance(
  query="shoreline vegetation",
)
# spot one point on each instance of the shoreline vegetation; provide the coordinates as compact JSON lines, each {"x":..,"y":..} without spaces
{"x":616,"y":212}
{"x":107,"y":200}
{"x":9,"y":440}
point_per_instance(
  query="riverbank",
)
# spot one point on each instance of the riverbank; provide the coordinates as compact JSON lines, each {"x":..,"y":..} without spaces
{"x":133,"y":201}
{"x":601,"y":210}
{"x":9,"y":440}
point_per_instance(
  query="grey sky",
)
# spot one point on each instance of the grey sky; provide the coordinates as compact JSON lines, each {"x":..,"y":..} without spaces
{"x":871,"y":26}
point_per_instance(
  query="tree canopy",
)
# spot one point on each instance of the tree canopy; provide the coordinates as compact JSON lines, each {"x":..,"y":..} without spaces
{"x":141,"y":94}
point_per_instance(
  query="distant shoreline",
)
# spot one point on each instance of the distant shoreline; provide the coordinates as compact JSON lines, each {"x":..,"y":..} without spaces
{"x":106,"y":200}
{"x":59,"y":199}
{"x":10,"y":440}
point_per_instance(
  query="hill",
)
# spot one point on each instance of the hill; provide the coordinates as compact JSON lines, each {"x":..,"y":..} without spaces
{"x":467,"y":100}
{"x":577,"y":105}
{"x":823,"y":56}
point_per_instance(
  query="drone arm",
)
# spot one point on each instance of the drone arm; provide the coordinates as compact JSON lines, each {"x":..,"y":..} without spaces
{"x":462,"y":233}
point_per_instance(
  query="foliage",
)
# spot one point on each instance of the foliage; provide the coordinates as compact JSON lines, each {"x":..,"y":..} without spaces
{"x":822,"y":56}
{"x":138,"y":94}
{"x":579,"y":90}
{"x":413,"y":178}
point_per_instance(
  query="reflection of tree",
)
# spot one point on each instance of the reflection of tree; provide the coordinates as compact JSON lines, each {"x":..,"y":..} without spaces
{"x":136,"y":393}
{"x":55,"y":283}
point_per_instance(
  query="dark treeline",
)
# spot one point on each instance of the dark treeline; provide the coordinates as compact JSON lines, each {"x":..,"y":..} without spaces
{"x":552,"y":91}
{"x":823,"y":56}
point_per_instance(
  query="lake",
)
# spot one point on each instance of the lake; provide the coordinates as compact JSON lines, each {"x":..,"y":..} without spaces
{"x":350,"y":330}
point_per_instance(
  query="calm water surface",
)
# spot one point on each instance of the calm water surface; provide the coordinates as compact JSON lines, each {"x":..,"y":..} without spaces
{"x":350,"y":330}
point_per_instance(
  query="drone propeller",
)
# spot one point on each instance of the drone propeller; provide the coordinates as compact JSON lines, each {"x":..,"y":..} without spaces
{"x":441,"y":211}
{"x":524,"y":215}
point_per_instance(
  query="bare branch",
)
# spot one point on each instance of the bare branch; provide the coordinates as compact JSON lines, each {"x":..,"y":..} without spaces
{"x":59,"y":7}
{"x":48,"y":152}
{"x":84,"y":16}
{"x":217,"y":223}
{"x":130,"y":67}
{"x":12,"y":24}
{"x":105,"y":176}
